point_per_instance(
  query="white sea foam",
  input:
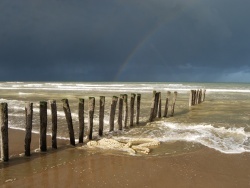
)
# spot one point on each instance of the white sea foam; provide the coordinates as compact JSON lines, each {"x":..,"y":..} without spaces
{"x":123,"y":87}
{"x":33,"y":85}
{"x":225,"y":140}
{"x":22,"y":93}
{"x":229,"y":90}
{"x":232,"y":140}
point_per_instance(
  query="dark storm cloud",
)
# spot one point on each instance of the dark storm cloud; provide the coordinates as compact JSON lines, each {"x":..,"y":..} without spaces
{"x":150,"y":40}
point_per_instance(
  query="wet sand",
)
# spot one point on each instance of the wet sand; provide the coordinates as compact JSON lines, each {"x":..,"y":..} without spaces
{"x":74,"y":167}
{"x":16,"y":142}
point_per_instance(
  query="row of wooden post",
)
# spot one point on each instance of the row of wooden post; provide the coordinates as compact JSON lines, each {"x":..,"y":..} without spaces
{"x":197,"y":96}
{"x":123,"y":101}
{"x":155,"y":110}
{"x":122,"y":111}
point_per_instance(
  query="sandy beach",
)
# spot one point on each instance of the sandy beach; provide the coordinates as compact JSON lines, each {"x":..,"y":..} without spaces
{"x":74,"y":167}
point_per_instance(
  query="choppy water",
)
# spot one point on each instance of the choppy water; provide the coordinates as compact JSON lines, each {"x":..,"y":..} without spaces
{"x":221,"y":122}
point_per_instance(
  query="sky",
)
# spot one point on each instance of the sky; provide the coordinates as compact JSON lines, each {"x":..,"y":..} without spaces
{"x":125,"y":40}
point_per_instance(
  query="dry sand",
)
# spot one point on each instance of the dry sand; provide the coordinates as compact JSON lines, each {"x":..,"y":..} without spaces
{"x":72,"y":167}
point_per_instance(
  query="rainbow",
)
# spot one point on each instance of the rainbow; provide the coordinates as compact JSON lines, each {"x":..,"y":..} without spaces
{"x":146,"y":37}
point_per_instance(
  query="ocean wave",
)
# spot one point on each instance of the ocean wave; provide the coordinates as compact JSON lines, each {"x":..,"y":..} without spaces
{"x":122,"y":87}
{"x":229,"y":90}
{"x":225,"y":140}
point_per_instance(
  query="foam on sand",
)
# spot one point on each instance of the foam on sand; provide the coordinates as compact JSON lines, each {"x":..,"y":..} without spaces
{"x":132,"y":146}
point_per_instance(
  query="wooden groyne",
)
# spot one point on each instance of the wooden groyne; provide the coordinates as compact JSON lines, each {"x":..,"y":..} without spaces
{"x":157,"y":105}
{"x":197,"y":96}
{"x":127,"y":117}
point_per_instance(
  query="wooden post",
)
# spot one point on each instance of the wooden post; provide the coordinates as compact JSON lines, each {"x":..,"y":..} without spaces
{"x":120,"y":110}
{"x":197,"y":97}
{"x":194,"y":96}
{"x":68,"y":116}
{"x":53,"y":109}
{"x":138,"y":106}
{"x":159,"y":105}
{"x":4,"y":132}
{"x":152,"y":110}
{"x":195,"y":91}
{"x":173,"y":105}
{"x":155,"y":100}
{"x":28,"y":128}
{"x":166,"y":104}
{"x":125,"y":100}
{"x":203,"y":95}
{"x":101,"y":115}
{"x":199,"y":100}
{"x":112,"y":113}
{"x":91,"y":117}
{"x":81,"y":119}
{"x":43,"y":125}
{"x":200,"y":95}
{"x":132,"y":109}
{"x":157,"y":95}
{"x":191,"y":98}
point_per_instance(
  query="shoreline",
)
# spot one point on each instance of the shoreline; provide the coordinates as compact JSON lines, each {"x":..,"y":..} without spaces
{"x":76,"y":167}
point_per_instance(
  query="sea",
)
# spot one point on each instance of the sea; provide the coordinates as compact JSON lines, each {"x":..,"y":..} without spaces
{"x":221,"y":122}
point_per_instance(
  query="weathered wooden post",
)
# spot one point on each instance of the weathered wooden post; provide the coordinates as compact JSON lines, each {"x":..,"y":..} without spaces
{"x":203,"y":95}
{"x":155,"y":103}
{"x":138,"y":106}
{"x":28,"y":128}
{"x":157,"y":95}
{"x":200,"y":95}
{"x":132,"y":109}
{"x":68,"y":116}
{"x":120,"y":110}
{"x":43,"y":125}
{"x":195,"y":91}
{"x":159,"y":105}
{"x":166,"y":104}
{"x":101,"y":115}
{"x":53,"y":109}
{"x":81,"y":119}
{"x":112,"y":113}
{"x":152,"y":110}
{"x":91,"y":117}
{"x":4,"y":132}
{"x":173,"y":105}
{"x":197,"y":97}
{"x":194,"y":97}
{"x":191,"y":98}
{"x":125,"y":100}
